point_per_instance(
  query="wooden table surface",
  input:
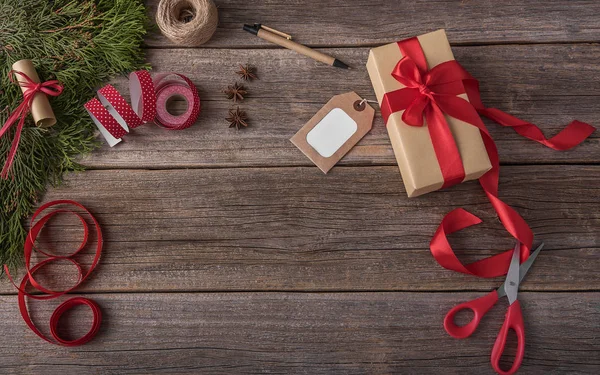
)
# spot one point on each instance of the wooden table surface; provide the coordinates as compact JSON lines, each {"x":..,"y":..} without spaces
{"x":229,"y":252}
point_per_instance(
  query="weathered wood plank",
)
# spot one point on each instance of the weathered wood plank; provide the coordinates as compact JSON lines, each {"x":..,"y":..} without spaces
{"x":548,"y":85}
{"x":283,"y":333}
{"x":297,"y":229}
{"x":372,"y":22}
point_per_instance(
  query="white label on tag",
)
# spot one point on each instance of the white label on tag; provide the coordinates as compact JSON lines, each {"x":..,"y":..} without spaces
{"x":331,"y":132}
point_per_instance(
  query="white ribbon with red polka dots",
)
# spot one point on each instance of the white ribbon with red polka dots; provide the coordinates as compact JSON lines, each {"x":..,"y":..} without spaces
{"x":114,"y":116}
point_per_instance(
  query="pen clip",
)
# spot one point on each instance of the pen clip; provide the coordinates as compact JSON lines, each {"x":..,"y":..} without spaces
{"x":272,"y":30}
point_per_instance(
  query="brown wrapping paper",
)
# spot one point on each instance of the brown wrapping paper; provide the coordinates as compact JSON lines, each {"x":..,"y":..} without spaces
{"x":412,"y":145}
{"x":40,"y":108}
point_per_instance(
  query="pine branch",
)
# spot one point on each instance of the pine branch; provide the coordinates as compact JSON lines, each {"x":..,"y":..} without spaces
{"x":82,"y":44}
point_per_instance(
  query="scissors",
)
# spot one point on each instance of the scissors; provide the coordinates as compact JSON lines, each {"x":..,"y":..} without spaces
{"x":514,"y":316}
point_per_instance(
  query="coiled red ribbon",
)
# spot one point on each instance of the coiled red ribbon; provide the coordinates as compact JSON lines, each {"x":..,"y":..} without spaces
{"x":431,"y":93}
{"x":52,"y":88}
{"x":50,"y":294}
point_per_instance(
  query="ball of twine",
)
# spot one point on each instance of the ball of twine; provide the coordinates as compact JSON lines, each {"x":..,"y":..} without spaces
{"x":187,"y":22}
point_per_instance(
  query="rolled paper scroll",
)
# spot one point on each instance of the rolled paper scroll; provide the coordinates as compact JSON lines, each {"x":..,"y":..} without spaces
{"x":40,"y":108}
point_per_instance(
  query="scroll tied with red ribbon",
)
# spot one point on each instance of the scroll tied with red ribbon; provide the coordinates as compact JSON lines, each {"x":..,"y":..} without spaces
{"x":114,"y":117}
{"x":38,"y":221}
{"x":431,"y":103}
{"x":35,"y":100}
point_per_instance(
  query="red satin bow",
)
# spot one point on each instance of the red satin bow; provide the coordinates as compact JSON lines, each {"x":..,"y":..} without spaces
{"x":52,"y":88}
{"x":432,"y":93}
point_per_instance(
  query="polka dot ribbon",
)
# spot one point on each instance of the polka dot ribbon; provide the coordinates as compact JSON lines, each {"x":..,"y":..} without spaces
{"x":114,"y":116}
{"x":47,"y":294}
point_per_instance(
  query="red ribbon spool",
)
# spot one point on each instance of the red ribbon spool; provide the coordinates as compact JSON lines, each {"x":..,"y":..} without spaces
{"x":50,"y":294}
{"x":114,"y":116}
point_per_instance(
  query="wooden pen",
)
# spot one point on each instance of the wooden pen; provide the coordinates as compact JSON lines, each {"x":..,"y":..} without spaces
{"x":284,"y":40}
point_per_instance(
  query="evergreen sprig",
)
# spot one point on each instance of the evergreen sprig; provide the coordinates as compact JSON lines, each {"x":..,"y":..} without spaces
{"x":80,"y":43}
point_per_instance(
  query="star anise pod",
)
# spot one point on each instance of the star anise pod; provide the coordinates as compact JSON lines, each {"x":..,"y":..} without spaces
{"x":236,"y":92}
{"x":237,"y":118}
{"x":247,"y":72}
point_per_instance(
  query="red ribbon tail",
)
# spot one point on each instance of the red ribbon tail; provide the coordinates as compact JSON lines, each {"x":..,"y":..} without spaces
{"x":575,"y":133}
{"x":572,"y":135}
{"x":20,"y":111}
{"x":13,"y":151}
{"x":441,"y":250}
{"x":443,"y":253}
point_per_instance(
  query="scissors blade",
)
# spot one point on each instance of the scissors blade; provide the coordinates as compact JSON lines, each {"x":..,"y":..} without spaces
{"x":526,"y":265}
{"x":511,"y":285}
{"x":523,"y":269}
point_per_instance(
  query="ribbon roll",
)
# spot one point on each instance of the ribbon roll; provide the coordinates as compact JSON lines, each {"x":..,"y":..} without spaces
{"x":114,"y":116}
{"x":143,"y":95}
{"x":169,"y":88}
{"x":28,"y":279}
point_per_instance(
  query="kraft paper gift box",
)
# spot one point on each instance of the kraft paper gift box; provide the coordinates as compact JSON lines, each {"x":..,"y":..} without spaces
{"x":412,"y":145}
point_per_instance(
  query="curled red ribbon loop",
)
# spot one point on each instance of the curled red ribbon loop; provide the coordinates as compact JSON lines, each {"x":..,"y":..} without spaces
{"x":50,"y":294}
{"x":432,"y":93}
{"x":52,"y":88}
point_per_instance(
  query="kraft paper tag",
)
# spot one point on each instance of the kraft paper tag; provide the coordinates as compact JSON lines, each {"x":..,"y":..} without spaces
{"x":334,"y":130}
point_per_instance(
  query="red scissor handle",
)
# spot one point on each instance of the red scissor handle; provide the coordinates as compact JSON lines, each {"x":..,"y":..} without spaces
{"x":514,"y":321}
{"x":479,"y":306}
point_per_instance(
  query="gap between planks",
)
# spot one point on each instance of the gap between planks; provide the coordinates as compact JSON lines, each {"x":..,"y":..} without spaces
{"x":309,"y":164}
{"x":306,"y":291}
{"x":373,"y":45}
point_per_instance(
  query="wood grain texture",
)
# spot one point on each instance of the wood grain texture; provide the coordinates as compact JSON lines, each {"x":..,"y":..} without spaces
{"x":549,"y":85}
{"x":253,"y":261}
{"x":371,"y":22}
{"x":303,"y":333}
{"x":297,"y":229}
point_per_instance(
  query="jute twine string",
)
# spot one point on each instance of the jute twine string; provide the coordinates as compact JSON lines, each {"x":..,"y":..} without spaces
{"x":187,"y":22}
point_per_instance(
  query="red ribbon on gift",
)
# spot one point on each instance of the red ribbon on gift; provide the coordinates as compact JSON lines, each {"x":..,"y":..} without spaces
{"x":432,"y":94}
{"x":52,"y":88}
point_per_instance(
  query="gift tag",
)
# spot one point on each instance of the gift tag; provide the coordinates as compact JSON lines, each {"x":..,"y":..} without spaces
{"x":334,"y":130}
